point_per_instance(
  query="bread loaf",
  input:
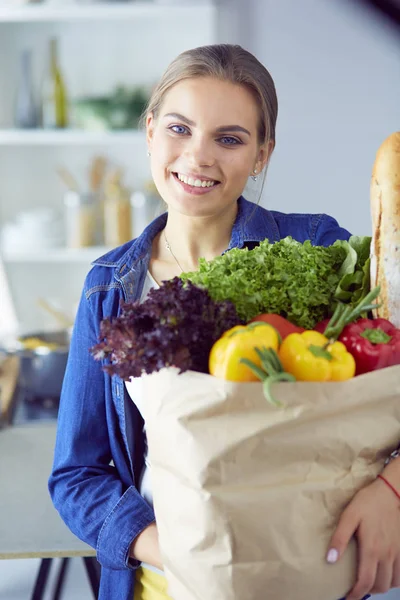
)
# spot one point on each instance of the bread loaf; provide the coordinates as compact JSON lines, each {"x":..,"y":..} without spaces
{"x":385,"y":213}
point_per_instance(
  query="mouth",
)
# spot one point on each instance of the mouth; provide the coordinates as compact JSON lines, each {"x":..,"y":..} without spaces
{"x":197,"y":184}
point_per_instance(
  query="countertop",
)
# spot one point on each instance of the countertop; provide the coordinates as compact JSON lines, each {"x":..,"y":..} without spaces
{"x":29,"y":524}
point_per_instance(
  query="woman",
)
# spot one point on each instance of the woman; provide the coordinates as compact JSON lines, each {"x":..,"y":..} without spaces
{"x":210,"y":126}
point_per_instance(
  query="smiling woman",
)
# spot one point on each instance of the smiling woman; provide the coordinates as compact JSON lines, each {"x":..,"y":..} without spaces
{"x":210,"y":127}
{"x":199,"y":156}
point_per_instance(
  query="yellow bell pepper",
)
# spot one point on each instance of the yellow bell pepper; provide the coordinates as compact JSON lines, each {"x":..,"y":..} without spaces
{"x":237,"y":343}
{"x":310,"y":357}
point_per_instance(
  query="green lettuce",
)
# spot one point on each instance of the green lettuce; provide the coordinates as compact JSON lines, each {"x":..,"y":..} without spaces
{"x":355,"y":282}
{"x":299,"y":281}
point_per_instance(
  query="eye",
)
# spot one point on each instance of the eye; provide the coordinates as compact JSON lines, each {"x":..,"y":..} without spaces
{"x":228,"y":140}
{"x":179,"y":129}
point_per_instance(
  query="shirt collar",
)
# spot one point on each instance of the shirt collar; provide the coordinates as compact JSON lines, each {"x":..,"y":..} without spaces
{"x":252,"y":224}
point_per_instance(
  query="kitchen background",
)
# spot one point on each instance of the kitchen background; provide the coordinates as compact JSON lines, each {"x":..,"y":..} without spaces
{"x":337,"y":70}
{"x":336,"y":66}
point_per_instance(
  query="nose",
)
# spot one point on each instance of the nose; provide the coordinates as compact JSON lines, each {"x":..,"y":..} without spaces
{"x":199,"y":152}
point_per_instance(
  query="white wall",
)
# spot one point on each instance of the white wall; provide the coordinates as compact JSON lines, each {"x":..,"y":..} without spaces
{"x":337,"y":72}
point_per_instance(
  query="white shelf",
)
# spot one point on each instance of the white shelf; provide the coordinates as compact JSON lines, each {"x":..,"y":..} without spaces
{"x":96,"y":12}
{"x":56,"y":255}
{"x":40,"y":137}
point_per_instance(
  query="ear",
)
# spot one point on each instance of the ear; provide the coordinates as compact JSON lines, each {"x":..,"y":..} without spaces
{"x":150,"y":125}
{"x":264,"y":154}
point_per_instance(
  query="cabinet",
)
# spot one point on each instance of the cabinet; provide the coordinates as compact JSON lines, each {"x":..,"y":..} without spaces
{"x":101,"y":45}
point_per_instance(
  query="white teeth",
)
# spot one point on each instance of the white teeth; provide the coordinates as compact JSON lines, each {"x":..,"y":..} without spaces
{"x":195,"y":182}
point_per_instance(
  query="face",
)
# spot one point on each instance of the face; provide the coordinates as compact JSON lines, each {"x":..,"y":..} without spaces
{"x":204,"y":145}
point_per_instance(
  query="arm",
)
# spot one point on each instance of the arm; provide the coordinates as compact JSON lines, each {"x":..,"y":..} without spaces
{"x":145,"y":547}
{"x":392,"y":473}
{"x":100,"y":507}
{"x":373,"y":516}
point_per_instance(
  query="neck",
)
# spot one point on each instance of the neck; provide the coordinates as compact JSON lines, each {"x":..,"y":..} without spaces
{"x":192,"y":238}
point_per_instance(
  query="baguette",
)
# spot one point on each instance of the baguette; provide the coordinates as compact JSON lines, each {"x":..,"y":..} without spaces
{"x":385,"y":213}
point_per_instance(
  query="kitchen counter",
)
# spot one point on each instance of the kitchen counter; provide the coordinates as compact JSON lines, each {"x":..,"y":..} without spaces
{"x":30,"y":527}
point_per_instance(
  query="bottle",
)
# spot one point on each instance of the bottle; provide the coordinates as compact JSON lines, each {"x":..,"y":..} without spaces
{"x":26,"y":114}
{"x":155,"y":205}
{"x":80,"y":219}
{"x":117,"y":211}
{"x":146,"y":205}
{"x":54,"y":95}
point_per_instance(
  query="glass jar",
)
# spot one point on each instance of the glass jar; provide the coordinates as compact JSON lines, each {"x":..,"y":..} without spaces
{"x":117,"y":212}
{"x":80,"y":219}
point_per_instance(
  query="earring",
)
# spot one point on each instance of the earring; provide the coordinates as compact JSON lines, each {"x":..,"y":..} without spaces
{"x":254,"y":177}
{"x":148,"y":153}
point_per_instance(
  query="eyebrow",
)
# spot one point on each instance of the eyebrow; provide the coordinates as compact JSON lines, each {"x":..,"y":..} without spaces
{"x":223,"y":129}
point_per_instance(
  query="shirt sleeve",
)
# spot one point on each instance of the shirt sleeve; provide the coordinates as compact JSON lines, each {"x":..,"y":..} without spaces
{"x":327,"y":231}
{"x":84,"y":485}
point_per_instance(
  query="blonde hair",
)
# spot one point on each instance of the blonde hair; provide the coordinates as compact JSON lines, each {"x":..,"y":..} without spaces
{"x":227,"y":62}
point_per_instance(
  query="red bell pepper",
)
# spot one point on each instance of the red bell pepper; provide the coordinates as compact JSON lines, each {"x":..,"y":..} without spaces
{"x":282,"y":325}
{"x":321,"y":325}
{"x":374,"y":343}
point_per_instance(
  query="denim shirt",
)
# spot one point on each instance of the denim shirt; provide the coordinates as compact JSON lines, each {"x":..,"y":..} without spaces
{"x":99,"y":448}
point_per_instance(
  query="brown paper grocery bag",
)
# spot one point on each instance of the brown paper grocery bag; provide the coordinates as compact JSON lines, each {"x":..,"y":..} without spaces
{"x":247,"y":495}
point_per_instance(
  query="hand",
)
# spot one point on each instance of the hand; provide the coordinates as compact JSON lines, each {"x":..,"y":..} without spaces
{"x":146,"y":548}
{"x":373,"y":516}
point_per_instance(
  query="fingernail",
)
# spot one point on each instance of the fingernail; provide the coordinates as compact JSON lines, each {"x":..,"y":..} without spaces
{"x":332,"y":555}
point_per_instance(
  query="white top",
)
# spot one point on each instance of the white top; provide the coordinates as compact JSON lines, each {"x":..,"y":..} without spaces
{"x":134,"y":385}
{"x":134,"y":389}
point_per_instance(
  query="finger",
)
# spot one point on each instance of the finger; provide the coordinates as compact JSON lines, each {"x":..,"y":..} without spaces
{"x":367,"y":571}
{"x":346,"y":528}
{"x":396,"y":574}
{"x":383,"y":578}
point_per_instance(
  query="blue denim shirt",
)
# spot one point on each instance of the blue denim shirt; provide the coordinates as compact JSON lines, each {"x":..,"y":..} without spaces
{"x":100,"y":443}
